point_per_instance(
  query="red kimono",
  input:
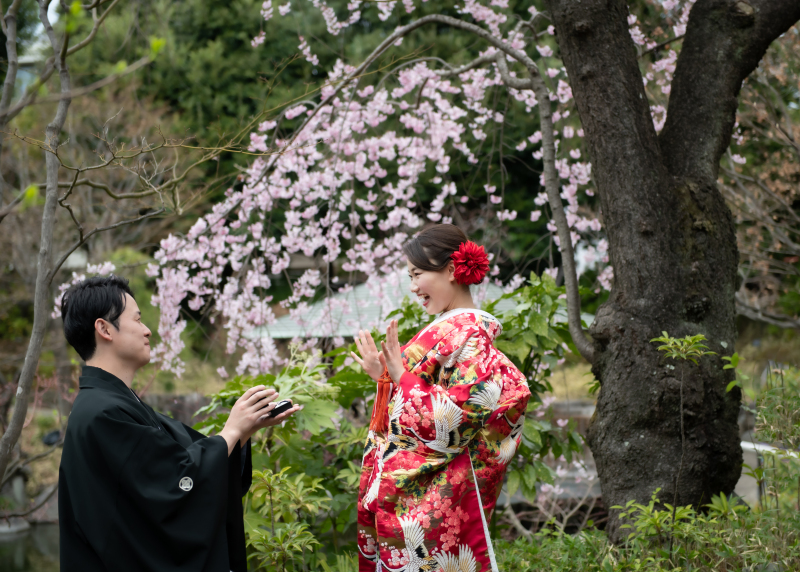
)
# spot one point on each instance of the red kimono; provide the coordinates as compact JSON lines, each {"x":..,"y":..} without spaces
{"x":454,"y":420}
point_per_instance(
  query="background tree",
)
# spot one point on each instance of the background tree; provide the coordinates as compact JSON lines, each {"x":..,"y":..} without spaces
{"x":110,"y":180}
{"x":761,"y":181}
{"x":671,"y":237}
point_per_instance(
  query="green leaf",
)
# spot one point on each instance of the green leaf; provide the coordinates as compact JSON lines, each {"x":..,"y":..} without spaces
{"x":156,"y":45}
{"x":538,"y":323}
{"x":532,"y":434}
{"x":31,"y":198}
{"x":516,"y":348}
{"x":529,"y":476}
{"x":522,"y":307}
{"x":512,"y":484}
{"x":316,"y":415}
{"x":544,"y":473}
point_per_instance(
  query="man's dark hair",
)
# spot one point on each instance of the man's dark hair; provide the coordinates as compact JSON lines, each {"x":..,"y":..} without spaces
{"x":83,"y":303}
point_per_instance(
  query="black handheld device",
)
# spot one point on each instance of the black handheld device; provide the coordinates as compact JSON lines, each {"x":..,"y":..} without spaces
{"x":280,"y":407}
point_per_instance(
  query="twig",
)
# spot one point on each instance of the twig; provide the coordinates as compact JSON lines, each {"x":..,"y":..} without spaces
{"x":83,"y":238}
{"x":744,"y":309}
{"x":680,"y":467}
{"x":80,"y":91}
{"x":6,"y":210}
{"x":106,"y":189}
{"x":97,"y":23}
{"x":512,"y":516}
{"x":18,"y":465}
{"x":661,"y":45}
{"x":34,"y":509}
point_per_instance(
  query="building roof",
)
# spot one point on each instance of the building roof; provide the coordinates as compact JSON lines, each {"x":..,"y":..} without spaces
{"x":364,"y":307}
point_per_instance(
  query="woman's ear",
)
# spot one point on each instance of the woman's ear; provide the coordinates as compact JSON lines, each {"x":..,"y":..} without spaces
{"x":451,"y":271}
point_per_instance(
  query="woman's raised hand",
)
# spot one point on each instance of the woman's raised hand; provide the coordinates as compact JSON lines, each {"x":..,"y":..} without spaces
{"x":391,"y":356}
{"x":370,"y":359}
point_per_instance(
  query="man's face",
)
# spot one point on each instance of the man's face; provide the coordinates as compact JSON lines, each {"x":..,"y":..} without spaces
{"x":131,"y":341}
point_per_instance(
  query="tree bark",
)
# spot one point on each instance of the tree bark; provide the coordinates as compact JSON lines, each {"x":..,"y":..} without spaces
{"x":42,"y":300}
{"x":9,"y":26}
{"x":672,"y":241}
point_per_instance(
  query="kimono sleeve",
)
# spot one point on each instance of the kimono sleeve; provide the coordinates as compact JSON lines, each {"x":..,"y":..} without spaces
{"x":246,"y":464}
{"x":445,"y":417}
{"x":172,"y":501}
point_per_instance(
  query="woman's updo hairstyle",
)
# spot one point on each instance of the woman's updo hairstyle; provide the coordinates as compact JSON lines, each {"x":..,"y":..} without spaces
{"x":433,"y":248}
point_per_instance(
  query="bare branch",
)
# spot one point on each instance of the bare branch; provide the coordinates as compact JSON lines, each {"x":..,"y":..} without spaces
{"x":6,"y":210}
{"x":95,"y":4}
{"x":105,"y":188}
{"x":84,"y":237}
{"x":81,"y":91}
{"x":97,"y":23}
{"x":34,"y":509}
{"x":759,"y":315}
{"x":31,"y":92}
{"x":10,"y":31}
{"x":512,"y":517}
{"x":9,"y":22}
{"x":511,"y":81}
{"x":44,"y":261}
{"x":661,"y":45}
{"x":738,"y":177}
{"x":477,"y":62}
{"x":22,"y":463}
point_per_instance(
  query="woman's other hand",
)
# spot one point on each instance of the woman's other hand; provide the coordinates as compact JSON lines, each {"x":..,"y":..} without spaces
{"x":391,"y":356}
{"x":370,"y":360}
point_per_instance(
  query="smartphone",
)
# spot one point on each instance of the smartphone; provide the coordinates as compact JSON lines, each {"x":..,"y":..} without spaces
{"x":280,"y":407}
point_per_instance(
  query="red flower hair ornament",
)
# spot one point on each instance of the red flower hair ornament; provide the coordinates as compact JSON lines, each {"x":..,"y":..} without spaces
{"x":471,"y":263}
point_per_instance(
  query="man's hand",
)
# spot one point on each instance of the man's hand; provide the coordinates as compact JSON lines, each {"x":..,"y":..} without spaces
{"x":245,"y":418}
{"x":278,"y":419}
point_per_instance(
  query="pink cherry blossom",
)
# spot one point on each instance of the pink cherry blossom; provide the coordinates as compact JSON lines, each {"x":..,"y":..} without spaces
{"x":345,"y":186}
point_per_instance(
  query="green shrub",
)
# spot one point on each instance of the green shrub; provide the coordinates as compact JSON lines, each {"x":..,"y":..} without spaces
{"x":728,"y":538}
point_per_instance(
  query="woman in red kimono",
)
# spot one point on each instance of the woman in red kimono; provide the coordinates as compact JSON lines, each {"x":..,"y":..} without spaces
{"x":454,"y":416}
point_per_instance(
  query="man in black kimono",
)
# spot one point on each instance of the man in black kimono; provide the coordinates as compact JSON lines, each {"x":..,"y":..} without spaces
{"x":139,"y":491}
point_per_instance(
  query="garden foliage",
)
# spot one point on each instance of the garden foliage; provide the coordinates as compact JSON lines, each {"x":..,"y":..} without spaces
{"x":301,"y":509}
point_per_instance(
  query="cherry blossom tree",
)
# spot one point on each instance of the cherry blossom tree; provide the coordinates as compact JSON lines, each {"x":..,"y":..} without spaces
{"x":649,"y":97}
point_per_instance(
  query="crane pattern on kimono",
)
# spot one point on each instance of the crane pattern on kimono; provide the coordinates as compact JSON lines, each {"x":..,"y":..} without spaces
{"x":508,"y":446}
{"x":420,"y":560}
{"x":396,"y":442}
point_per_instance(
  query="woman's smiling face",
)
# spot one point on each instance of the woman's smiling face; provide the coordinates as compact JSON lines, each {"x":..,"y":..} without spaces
{"x":436,"y":290}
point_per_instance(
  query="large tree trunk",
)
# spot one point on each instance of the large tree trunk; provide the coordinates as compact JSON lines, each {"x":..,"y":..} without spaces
{"x":672,"y":241}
